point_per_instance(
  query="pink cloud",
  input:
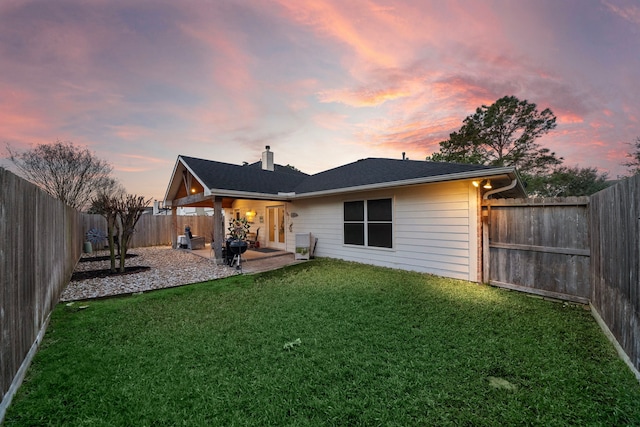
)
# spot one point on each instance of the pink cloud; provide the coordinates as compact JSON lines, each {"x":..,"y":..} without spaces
{"x":330,"y":121}
{"x":329,"y":19}
{"x":568,"y":118}
{"x":420,"y":135}
{"x":139,"y":163}
{"x":630,"y":12}
{"x":363,"y":97}
{"x":21,"y":118}
{"x":131,"y":132}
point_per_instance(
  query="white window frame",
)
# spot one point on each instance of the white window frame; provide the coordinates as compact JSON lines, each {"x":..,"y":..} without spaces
{"x":366,"y":223}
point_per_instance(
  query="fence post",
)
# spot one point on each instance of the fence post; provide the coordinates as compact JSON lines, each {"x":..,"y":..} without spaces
{"x":174,"y":227}
{"x":218,"y":228}
{"x":486,"y":277}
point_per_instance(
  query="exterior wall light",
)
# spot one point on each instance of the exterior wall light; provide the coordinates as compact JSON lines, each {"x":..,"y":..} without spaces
{"x":486,"y":186}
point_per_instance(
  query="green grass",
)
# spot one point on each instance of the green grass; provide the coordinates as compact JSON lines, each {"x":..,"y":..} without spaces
{"x":376,"y":347}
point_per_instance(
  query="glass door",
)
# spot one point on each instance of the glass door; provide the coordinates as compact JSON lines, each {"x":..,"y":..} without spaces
{"x":275,"y":225}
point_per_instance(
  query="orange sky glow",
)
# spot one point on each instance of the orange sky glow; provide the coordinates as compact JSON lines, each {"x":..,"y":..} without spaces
{"x":323,"y":82}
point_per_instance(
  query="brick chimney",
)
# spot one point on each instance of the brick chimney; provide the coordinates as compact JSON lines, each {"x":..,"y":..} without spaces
{"x":267,"y":159}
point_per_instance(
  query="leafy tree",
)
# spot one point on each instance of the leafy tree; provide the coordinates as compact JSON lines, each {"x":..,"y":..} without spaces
{"x":502,"y":134}
{"x":67,"y":172}
{"x":565,"y":181}
{"x":634,"y":163}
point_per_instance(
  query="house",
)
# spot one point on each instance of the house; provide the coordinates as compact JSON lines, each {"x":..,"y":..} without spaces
{"x":414,"y":215}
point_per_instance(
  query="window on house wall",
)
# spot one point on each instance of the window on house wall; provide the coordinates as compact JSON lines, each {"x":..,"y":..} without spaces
{"x":368,"y":223}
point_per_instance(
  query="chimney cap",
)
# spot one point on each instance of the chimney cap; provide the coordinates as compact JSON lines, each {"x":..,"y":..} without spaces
{"x":267,"y":147}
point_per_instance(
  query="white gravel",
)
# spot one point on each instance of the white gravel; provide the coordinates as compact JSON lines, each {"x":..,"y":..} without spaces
{"x":169,"y":268}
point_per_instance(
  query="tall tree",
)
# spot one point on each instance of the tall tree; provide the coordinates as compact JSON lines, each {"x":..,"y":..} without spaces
{"x":565,"y":181}
{"x":69,"y":173}
{"x":634,"y":163}
{"x":502,"y":134}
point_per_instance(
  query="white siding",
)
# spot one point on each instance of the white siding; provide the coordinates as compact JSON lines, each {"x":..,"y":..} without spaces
{"x":434,"y":229}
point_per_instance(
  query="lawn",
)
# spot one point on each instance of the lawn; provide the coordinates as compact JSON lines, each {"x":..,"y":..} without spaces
{"x":326,"y":343}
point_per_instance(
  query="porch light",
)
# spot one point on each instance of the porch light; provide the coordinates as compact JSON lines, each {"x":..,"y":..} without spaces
{"x":250,"y":215}
{"x":487,"y":185}
{"x":193,"y":191}
{"x":476,"y":183}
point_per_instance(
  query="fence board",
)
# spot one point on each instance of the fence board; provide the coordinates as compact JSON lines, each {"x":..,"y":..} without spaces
{"x":40,"y":246}
{"x":154,"y":230}
{"x":615,"y":268}
{"x":541,"y":245}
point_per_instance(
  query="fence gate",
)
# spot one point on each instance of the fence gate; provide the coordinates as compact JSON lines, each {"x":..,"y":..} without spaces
{"x":540,"y":246}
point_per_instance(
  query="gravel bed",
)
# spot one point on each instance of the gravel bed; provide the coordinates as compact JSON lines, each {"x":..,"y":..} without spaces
{"x":169,"y":268}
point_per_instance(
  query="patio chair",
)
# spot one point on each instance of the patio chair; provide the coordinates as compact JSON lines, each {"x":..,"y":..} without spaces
{"x":253,"y":242}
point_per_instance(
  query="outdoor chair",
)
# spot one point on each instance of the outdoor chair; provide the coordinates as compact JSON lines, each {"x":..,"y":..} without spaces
{"x":197,"y":242}
{"x":194,"y":242}
{"x":253,"y":241}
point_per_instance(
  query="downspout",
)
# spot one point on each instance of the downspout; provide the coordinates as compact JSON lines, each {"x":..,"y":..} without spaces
{"x":514,"y":182}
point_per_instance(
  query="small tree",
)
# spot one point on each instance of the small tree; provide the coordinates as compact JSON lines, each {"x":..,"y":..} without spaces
{"x":67,"y":172}
{"x":107,"y":206}
{"x":634,"y":163}
{"x":502,"y":134}
{"x":130,"y":208}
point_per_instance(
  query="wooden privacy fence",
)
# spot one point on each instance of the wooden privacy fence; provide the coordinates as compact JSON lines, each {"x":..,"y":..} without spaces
{"x":154,"y":230}
{"x":41,"y":243}
{"x":583,"y":249}
{"x":540,"y":246}
{"x":615,"y":262}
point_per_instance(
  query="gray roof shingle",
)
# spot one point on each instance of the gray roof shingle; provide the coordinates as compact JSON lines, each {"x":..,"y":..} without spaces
{"x":251,"y":178}
{"x":226,"y":176}
{"x":376,"y":171}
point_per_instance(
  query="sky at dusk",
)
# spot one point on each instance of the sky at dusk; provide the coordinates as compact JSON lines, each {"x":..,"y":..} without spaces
{"x":323,"y":82}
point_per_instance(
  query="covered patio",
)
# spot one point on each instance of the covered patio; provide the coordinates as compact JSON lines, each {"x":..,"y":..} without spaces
{"x":233,"y":192}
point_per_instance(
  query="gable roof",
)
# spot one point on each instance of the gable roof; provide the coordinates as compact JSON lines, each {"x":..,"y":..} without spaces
{"x":245,"y":178}
{"x":371,"y":173}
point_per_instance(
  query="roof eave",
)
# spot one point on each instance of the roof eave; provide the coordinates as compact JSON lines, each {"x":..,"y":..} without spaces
{"x":484,"y":174}
{"x":248,"y":194}
{"x":174,"y":177}
{"x":171,"y":180}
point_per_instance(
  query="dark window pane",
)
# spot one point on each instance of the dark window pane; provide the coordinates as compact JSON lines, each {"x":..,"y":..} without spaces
{"x":354,"y":211}
{"x":380,"y":235}
{"x":354,"y":234}
{"x":379,"y":210}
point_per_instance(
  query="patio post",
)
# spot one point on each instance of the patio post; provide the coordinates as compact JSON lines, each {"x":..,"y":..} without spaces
{"x":218,"y":229}
{"x":174,"y":227}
